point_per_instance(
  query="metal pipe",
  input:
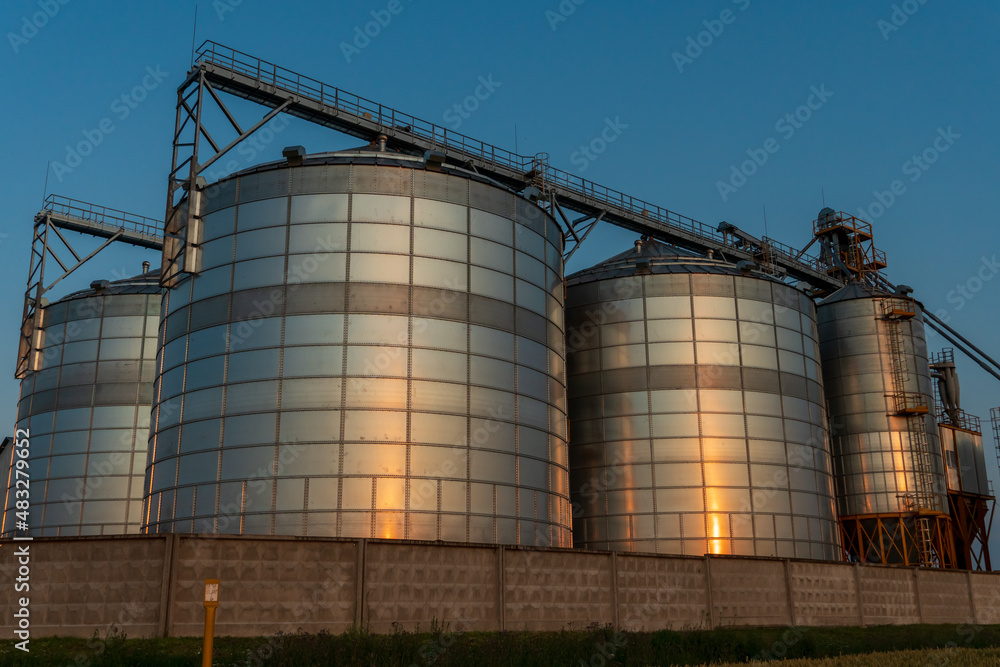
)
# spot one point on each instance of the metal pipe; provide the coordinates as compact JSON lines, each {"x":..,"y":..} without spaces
{"x":941,"y":325}
{"x":962,"y":348}
{"x":962,"y":338}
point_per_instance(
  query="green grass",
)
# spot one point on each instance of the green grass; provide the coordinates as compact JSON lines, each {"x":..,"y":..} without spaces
{"x":600,"y":646}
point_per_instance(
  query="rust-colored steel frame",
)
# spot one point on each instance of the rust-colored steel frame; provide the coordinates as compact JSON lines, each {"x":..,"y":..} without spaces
{"x":972,"y":520}
{"x":857,"y":257}
{"x":893,"y":539}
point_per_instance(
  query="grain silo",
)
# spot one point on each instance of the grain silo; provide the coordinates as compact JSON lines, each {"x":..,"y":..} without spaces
{"x":87,"y":406}
{"x":373,"y":347}
{"x":696,"y":408}
{"x":891,"y":485}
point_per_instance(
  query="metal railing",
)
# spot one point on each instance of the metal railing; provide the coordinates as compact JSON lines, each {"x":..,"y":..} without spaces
{"x":385,"y":118}
{"x":959,"y":418}
{"x":97,"y":215}
{"x":946,"y":355}
{"x":898,"y":308}
{"x":841,"y":219}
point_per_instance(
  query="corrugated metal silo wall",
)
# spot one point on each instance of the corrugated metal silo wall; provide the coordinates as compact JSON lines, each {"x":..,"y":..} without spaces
{"x":697,"y":416}
{"x":369,"y":351}
{"x":86,"y":411}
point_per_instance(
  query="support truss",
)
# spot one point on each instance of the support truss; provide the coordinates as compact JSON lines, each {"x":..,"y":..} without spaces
{"x":895,"y":539}
{"x":191,"y":157}
{"x":972,"y":519}
{"x":49,"y":244}
{"x":220,"y":69}
{"x":577,"y":230}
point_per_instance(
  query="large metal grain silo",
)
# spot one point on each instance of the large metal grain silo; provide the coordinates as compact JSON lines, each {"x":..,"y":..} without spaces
{"x":86,"y":410}
{"x":697,"y":415}
{"x":373,"y":347}
{"x":891,"y":486}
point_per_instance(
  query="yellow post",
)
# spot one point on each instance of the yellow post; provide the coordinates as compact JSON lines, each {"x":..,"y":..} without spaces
{"x":211,"y":604}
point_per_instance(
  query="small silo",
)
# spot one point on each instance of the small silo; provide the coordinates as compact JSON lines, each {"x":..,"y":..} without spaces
{"x":697,"y":416}
{"x":87,"y":410}
{"x":891,"y":485}
{"x":373,"y":347}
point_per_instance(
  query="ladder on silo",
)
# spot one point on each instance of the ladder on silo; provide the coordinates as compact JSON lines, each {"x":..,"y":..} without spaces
{"x":912,"y":407}
{"x":539,"y":169}
{"x":995,"y":420}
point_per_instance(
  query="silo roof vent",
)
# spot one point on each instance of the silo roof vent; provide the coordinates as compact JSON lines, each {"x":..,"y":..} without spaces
{"x":294,"y":155}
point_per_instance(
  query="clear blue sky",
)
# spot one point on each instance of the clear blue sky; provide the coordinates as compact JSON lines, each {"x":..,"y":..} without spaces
{"x":683,"y":122}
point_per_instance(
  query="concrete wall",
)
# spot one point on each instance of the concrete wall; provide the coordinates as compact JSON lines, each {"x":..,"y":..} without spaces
{"x":152,"y":586}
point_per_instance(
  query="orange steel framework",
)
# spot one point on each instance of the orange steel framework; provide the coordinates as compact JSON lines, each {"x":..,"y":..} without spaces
{"x":856,"y":255}
{"x":972,"y":520}
{"x":972,"y":514}
{"x":894,"y":539}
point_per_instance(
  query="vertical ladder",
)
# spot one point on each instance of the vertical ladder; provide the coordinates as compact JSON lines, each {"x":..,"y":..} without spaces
{"x":539,"y":172}
{"x":995,"y":420}
{"x":766,"y":259}
{"x":912,"y":406}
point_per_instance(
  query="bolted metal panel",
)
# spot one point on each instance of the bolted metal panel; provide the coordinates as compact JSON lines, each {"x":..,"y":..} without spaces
{"x":872,"y":451}
{"x":965,"y":460}
{"x":366,"y":362}
{"x":699,"y":423}
{"x":86,"y":409}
